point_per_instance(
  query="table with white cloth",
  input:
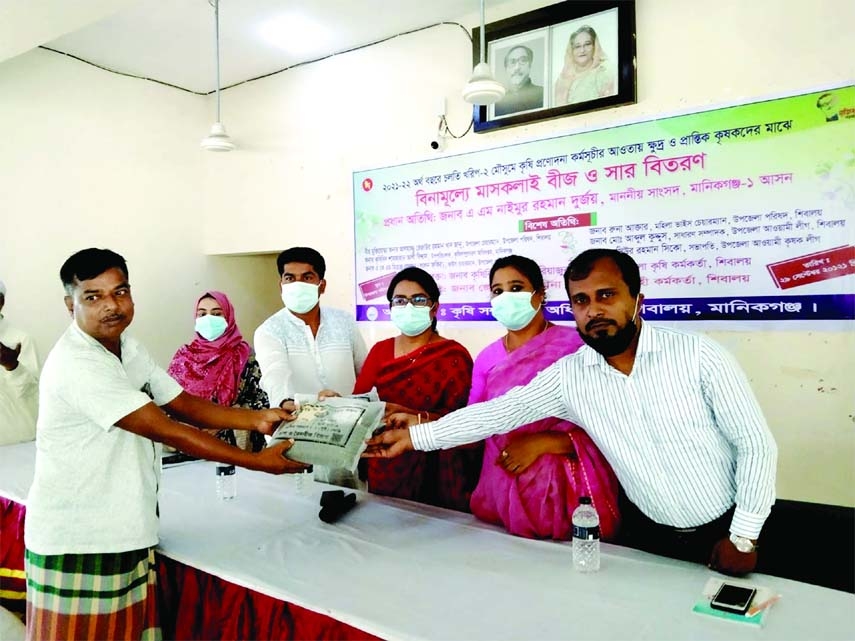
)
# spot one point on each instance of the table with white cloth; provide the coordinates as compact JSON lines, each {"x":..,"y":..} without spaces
{"x":401,"y":570}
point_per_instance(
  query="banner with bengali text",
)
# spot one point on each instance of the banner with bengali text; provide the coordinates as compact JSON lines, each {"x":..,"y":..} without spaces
{"x":742,"y":214}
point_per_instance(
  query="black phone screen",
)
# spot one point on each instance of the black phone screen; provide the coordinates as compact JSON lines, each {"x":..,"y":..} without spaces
{"x":733,"y":598}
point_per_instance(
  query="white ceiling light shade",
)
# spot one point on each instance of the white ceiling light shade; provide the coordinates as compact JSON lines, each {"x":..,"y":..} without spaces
{"x":218,"y":139}
{"x":483,"y":88}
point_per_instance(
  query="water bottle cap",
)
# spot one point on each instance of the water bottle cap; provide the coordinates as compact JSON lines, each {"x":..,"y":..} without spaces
{"x":584,"y":500}
{"x":225,"y":470}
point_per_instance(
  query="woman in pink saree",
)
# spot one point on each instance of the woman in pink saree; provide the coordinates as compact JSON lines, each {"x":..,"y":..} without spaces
{"x":532,"y":477}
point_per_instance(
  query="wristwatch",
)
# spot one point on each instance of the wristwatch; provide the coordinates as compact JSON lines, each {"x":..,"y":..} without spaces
{"x":742,"y":544}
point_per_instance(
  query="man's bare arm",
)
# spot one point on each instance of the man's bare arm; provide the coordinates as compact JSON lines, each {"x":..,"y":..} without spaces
{"x":151,"y":422}
{"x":202,"y":413}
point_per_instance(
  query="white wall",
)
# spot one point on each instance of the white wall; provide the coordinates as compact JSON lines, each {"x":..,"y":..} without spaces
{"x":91,"y":158}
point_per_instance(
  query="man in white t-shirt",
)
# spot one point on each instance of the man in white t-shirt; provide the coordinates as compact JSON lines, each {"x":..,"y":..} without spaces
{"x":305,"y":348}
{"x":19,"y":382}
{"x":92,"y":520}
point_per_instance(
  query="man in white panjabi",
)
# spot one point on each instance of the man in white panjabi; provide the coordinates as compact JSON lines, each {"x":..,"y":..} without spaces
{"x":305,"y":348}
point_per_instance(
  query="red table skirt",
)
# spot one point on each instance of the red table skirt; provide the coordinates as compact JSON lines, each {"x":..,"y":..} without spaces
{"x":197,"y":605}
{"x":13,"y":587}
{"x":193,"y":604}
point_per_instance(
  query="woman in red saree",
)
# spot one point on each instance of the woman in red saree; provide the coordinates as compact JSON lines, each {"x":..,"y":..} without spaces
{"x":421,"y":373}
{"x":532,"y":477}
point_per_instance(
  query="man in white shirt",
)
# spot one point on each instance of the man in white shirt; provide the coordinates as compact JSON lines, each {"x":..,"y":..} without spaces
{"x":305,"y":348}
{"x":19,"y":382}
{"x":91,"y":522}
{"x":671,"y":411}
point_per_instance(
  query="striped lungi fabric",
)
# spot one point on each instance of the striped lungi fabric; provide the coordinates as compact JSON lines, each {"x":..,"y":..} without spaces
{"x":92,"y":596}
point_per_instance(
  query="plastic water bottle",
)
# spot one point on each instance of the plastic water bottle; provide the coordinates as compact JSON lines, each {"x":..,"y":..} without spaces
{"x":586,"y":537}
{"x":305,"y":481}
{"x":226,"y":482}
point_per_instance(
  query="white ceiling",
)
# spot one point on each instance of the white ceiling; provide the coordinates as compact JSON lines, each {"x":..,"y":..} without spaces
{"x":173,"y":40}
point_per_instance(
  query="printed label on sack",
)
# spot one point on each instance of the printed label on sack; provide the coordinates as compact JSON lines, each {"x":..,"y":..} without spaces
{"x":586,"y":533}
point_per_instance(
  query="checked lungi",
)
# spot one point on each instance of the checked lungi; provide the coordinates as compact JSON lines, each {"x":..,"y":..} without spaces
{"x":92,"y":596}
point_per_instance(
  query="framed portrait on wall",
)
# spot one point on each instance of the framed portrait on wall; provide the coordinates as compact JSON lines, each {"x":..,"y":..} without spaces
{"x":560,"y":60}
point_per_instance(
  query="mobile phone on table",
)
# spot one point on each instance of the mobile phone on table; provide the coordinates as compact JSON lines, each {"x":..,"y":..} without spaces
{"x":733,"y":598}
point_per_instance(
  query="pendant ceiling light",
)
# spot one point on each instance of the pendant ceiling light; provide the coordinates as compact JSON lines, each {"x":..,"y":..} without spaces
{"x":483,"y":88}
{"x":218,"y":139}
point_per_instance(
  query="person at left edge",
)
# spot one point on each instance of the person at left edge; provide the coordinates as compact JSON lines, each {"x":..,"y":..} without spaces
{"x":19,"y":381}
{"x":306,"y":348}
{"x":92,"y":516}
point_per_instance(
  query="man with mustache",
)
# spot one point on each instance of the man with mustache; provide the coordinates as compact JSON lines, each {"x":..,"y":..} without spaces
{"x":92,"y":512}
{"x":522,"y":94}
{"x":670,"y":410}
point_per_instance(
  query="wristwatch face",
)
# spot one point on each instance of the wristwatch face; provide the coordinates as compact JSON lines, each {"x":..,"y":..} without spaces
{"x":742,"y":544}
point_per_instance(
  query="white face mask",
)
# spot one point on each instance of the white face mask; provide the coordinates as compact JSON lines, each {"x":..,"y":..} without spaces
{"x":513,"y":309}
{"x":411,"y":320}
{"x":300,"y":297}
{"x":211,"y":327}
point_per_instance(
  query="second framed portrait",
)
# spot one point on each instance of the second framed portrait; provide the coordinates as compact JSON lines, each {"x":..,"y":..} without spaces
{"x":560,"y":60}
